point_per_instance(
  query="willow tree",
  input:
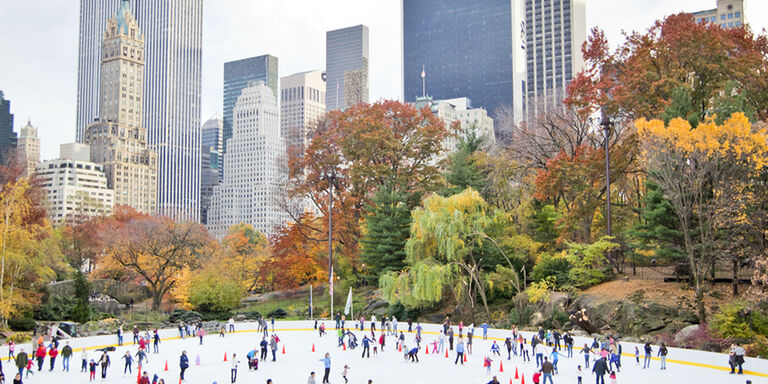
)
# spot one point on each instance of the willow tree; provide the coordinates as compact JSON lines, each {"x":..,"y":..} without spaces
{"x":449,"y":240}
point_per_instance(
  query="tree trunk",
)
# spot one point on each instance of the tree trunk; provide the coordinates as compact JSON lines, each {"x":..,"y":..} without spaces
{"x":157,"y":299}
{"x":735,"y":276}
{"x":702,"y":313}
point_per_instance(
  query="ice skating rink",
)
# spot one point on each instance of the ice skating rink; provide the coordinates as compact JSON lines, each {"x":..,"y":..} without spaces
{"x":298,"y":337}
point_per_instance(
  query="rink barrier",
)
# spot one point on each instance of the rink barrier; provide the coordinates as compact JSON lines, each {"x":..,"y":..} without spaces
{"x":673,"y":361}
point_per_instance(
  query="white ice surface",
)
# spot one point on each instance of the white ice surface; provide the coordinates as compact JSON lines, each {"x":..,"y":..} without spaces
{"x":388,"y":367}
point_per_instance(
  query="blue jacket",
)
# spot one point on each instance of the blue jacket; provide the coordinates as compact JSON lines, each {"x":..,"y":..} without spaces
{"x":184,"y":361}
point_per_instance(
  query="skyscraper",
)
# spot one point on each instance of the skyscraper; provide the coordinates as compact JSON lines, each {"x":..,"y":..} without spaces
{"x":172,"y":31}
{"x":7,"y":135}
{"x":210,"y":164}
{"x":302,"y":103}
{"x":555,"y":32}
{"x":457,"y":48}
{"x":29,"y":148}
{"x":237,"y":75}
{"x":118,"y":139}
{"x":727,"y":14}
{"x":255,"y":168}
{"x":346,"y":64}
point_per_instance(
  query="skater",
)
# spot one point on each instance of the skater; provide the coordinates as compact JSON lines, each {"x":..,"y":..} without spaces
{"x":410,"y":325}
{"x":17,"y":379}
{"x":413,"y":354}
{"x":547,"y":370}
{"x":201,"y":333}
{"x":495,"y":349}
{"x":144,"y":378}
{"x":40,"y":355}
{"x":450,"y":338}
{"x":22,"y":359}
{"x":613,"y":377}
{"x":441,"y":342}
{"x":156,"y":342}
{"x":366,"y":347}
{"x":459,"y":351}
{"x":231,"y":323}
{"x":737,"y":351}
{"x":494,"y":381}
{"x":662,"y":352}
{"x":92,"y":370}
{"x":141,"y":356}
{"x":311,"y":379}
{"x":272,"y":320}
{"x":508,"y":344}
{"x":599,"y":369}
{"x":586,"y":351}
{"x":337,"y":319}
{"x":273,"y":347}
{"x":84,"y":360}
{"x":373,"y":323}
{"x":648,"y":353}
{"x":11,"y":347}
{"x":485,"y":331}
{"x":487,"y":364}
{"x":382,"y":341}
{"x":250,"y":357}
{"x":327,"y":365}
{"x":104,"y":363}
{"x":233,"y":371}
{"x":555,"y":355}
{"x":66,"y":354}
{"x":183,"y":364}
{"x":578,"y":375}
{"x":538,"y":351}
{"x":637,"y":356}
{"x":135,"y":335}
{"x":264,"y":345}
{"x":394,"y":325}
{"x":128,"y":362}
{"x":321,"y":330}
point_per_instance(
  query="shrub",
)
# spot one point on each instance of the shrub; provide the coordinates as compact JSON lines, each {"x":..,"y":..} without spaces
{"x":278,"y":314}
{"x":214,"y":293}
{"x":57,"y":308}
{"x":740,"y":321}
{"x":185,"y":316}
{"x":24,"y":324}
{"x":539,"y":291}
{"x":500,"y":281}
{"x":552,"y":265}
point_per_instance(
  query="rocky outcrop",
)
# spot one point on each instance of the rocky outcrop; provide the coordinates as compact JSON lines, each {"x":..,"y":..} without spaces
{"x":124,"y":292}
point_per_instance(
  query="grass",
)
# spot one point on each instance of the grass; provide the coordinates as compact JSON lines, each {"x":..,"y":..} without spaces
{"x":321,"y":305}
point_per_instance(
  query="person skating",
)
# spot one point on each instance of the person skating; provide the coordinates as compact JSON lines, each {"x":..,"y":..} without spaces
{"x":200,"y":334}
{"x":450,"y":338}
{"x":508,"y":344}
{"x":40,"y":355}
{"x":321,"y":330}
{"x":135,"y":335}
{"x":547,"y":370}
{"x":92,"y":370}
{"x":344,"y":373}
{"x":366,"y":347}
{"x":663,"y":353}
{"x":231,"y":323}
{"x":413,"y":354}
{"x":613,"y":377}
{"x":382,"y":341}
{"x":648,"y":353}
{"x":264,"y":345}
{"x":17,"y":379}
{"x":586,"y":351}
{"x":273,"y":347}
{"x":183,"y":364}
{"x":555,"y":356}
{"x":494,"y":381}
{"x":327,"y":365}
{"x":599,"y":369}
{"x":104,"y":363}
{"x":578,"y":375}
{"x":637,"y":356}
{"x":120,"y":336}
{"x":128,"y":362}
{"x":485,"y":331}
{"x":233,"y":371}
{"x":373,"y":323}
{"x":495,"y":350}
{"x":736,"y":358}
{"x":459,"y":351}
{"x":251,"y":356}
{"x":83,"y":360}
{"x":144,"y":378}
{"x":401,"y":339}
{"x":22,"y":359}
{"x":441,"y":342}
{"x":66,"y":354}
{"x":487,"y":361}
{"x":311,"y":379}
{"x":141,"y":356}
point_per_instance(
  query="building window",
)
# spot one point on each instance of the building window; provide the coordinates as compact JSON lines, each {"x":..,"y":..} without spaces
{"x":737,"y":15}
{"x":730,"y":15}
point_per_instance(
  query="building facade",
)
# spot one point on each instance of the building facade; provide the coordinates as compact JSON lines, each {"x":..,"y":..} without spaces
{"x":172,"y":32}
{"x":210,"y":163}
{"x":75,"y":187}
{"x":302,"y":104}
{"x":29,"y":148}
{"x":474,"y":49}
{"x":237,"y":76}
{"x":460,"y":110}
{"x":727,"y":14}
{"x":555,"y":32}
{"x":7,"y":135}
{"x":118,"y":139}
{"x":255,"y":167}
{"x":346,"y":65}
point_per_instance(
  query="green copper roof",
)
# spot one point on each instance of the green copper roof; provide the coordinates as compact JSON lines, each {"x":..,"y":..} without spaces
{"x":122,"y":16}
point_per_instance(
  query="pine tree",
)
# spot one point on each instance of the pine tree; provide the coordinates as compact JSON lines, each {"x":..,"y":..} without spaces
{"x":387,"y":230}
{"x":463,"y":170}
{"x":659,"y":229}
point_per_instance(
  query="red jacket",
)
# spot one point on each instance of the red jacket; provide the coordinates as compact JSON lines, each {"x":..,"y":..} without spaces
{"x":40,"y":352}
{"x":144,"y":380}
{"x":53,"y":352}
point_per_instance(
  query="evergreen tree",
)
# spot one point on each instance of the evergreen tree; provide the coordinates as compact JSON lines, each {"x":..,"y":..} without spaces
{"x":387,"y":229}
{"x":659,"y":229}
{"x":82,"y":311}
{"x":463,"y":170}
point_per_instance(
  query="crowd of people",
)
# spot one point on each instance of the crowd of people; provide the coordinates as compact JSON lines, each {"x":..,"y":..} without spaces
{"x":544,"y":349}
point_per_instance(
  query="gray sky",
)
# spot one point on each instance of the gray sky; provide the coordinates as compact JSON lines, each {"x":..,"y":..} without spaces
{"x":38,"y":46}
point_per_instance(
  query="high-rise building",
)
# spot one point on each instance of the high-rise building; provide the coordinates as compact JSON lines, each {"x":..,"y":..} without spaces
{"x":460,"y":110}
{"x":728,"y":14}
{"x":555,"y":32}
{"x":346,"y":65}
{"x":302,"y":104}
{"x":237,"y":75}
{"x":7,"y":135}
{"x":29,"y":148}
{"x":172,"y":32}
{"x":75,"y":186}
{"x":255,"y":167}
{"x":118,"y":140}
{"x":210,"y":163}
{"x":474,"y":49}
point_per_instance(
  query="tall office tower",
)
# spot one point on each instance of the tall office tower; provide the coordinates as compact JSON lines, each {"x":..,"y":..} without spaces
{"x":470,"y":119}
{"x":29,"y":148}
{"x":302,"y":104}
{"x":555,"y":32}
{"x":7,"y":135}
{"x":346,"y":64}
{"x":171,"y":100}
{"x":728,"y":14}
{"x":75,"y":185}
{"x":237,"y":76}
{"x":118,"y":140}
{"x":474,"y":49}
{"x":210,"y":163}
{"x":255,"y":167}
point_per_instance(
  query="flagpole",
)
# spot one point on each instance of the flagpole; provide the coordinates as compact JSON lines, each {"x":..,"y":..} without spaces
{"x":423,"y":81}
{"x":311,"y":314}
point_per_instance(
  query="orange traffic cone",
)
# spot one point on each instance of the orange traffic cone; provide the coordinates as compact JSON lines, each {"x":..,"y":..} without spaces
{"x":344,"y":346}
{"x":166,"y":365}
{"x":522,"y":381}
{"x":225,"y":356}
{"x":138,"y":374}
{"x":510,"y":381}
{"x":399,"y":347}
{"x":426,"y":352}
{"x":313,"y":347}
{"x":283,"y":349}
{"x":516,"y":375}
{"x":501,"y":366}
{"x":465,"y":358}
{"x":179,"y":380}
{"x":446,"y":353}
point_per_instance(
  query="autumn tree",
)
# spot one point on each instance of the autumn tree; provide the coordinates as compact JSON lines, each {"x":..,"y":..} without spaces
{"x":244,"y":252}
{"x":295,"y":259}
{"x":705,"y":173}
{"x":154,"y":248}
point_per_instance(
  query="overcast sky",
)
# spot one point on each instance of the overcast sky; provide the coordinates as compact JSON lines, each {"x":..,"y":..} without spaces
{"x":38,"y":46}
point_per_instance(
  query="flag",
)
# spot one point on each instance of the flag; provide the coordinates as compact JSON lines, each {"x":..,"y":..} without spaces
{"x":311,"y":315}
{"x":330,"y":285}
{"x":348,"y":307}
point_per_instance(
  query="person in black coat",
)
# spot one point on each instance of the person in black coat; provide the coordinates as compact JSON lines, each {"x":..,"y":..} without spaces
{"x":183,"y":364}
{"x":600,"y":368}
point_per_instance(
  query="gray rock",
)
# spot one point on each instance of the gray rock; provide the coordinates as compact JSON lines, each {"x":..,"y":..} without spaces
{"x":239,"y":317}
{"x":686,"y":333}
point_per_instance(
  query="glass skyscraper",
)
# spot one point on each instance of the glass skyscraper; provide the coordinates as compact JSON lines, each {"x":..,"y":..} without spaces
{"x":346,"y":66}
{"x":7,"y":135}
{"x":173,"y":34}
{"x":237,"y":76}
{"x":473,"y":49}
{"x":555,"y":31}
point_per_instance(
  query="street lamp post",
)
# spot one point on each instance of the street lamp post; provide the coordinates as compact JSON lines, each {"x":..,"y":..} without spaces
{"x":607,"y":129}
{"x":331,"y":177}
